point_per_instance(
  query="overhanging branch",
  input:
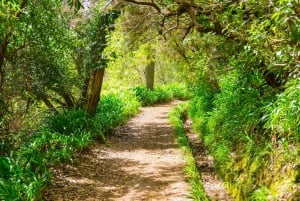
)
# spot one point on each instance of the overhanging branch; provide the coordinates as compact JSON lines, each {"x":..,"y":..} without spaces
{"x":145,"y":3}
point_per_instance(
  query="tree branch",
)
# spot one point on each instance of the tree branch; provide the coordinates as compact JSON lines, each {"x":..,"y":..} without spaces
{"x":22,"y":5}
{"x":151,"y":4}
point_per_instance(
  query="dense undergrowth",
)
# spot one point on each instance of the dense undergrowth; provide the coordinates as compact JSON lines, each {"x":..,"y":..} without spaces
{"x":176,"y":119}
{"x":25,"y":169}
{"x":253,"y":133}
{"x":161,"y":94}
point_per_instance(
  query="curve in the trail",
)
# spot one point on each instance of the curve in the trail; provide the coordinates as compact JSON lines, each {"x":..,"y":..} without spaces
{"x":142,"y":162}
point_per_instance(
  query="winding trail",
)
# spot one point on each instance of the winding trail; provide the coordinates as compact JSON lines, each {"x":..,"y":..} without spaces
{"x":141,"y":163}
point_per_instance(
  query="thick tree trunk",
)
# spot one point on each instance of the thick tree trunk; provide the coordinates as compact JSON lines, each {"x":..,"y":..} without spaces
{"x":93,"y":91}
{"x":149,"y":75}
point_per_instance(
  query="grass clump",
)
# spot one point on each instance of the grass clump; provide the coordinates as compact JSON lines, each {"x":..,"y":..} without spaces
{"x":68,"y":122}
{"x":161,"y":94}
{"x":176,"y":117}
{"x":145,"y":96}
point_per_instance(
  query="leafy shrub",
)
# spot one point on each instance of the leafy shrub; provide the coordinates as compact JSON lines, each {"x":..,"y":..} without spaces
{"x":68,"y":121}
{"x":244,"y":126}
{"x":200,"y":107}
{"x":163,"y":95}
{"x":283,"y":115}
{"x":19,"y":182}
{"x":11,"y":184}
{"x":110,"y":112}
{"x":179,"y":91}
{"x":26,"y":171}
{"x":131,"y":105}
{"x":145,"y":96}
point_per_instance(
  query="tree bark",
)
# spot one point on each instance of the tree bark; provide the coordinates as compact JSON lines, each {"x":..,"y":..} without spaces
{"x":149,"y":75}
{"x":93,"y":91}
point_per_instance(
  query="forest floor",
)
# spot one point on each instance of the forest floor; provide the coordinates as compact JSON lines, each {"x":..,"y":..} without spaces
{"x":141,"y":162}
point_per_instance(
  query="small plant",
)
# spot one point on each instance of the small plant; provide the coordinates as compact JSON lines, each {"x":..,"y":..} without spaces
{"x":261,"y":194}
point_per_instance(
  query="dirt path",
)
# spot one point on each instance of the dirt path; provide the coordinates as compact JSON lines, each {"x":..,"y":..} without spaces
{"x":143,"y":162}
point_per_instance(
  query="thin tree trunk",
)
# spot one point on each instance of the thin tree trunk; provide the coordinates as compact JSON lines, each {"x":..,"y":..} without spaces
{"x":69,"y":100}
{"x":84,"y":89}
{"x":3,"y":51}
{"x":49,"y":104}
{"x":93,"y":91}
{"x":149,"y":75}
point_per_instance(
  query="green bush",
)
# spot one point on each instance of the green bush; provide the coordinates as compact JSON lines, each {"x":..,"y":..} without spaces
{"x":145,"y":96}
{"x":131,"y":105}
{"x":200,"y":107}
{"x":162,"y":95}
{"x":110,"y":113}
{"x":283,"y":115}
{"x":68,"y":121}
{"x":179,"y":91}
{"x":15,"y":181}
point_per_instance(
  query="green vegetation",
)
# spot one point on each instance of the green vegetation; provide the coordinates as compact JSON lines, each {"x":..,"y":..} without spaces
{"x":161,"y":94}
{"x":240,"y":61}
{"x":252,"y":134}
{"x":25,"y":171}
{"x":176,"y":118}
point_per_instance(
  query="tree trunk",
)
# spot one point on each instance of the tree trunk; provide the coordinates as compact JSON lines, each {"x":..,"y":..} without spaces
{"x":68,"y":98}
{"x":93,"y":91}
{"x":49,"y":104}
{"x":3,"y":51}
{"x":82,"y":100}
{"x":149,"y":75}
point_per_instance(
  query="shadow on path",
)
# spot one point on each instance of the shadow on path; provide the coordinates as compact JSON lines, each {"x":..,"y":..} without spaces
{"x":142,"y":162}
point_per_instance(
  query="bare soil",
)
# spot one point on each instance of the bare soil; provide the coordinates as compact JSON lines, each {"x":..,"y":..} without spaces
{"x":142,"y":162}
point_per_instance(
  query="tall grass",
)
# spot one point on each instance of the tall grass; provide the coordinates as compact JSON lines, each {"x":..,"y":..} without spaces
{"x":252,"y":131}
{"x":161,"y":94}
{"x":176,"y":117}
